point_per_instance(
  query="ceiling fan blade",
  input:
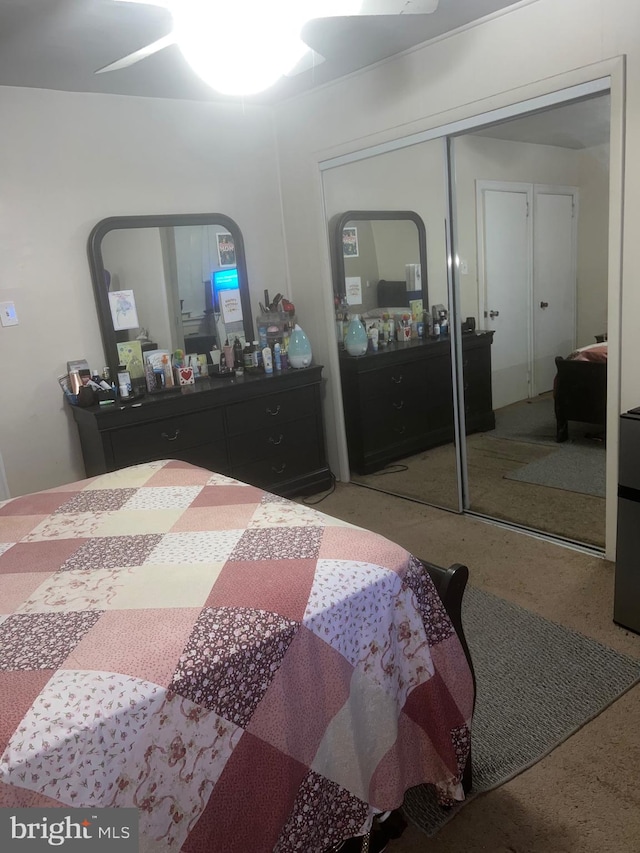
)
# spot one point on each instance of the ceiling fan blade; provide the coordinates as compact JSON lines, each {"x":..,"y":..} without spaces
{"x":137,"y":55}
{"x":310,"y":60}
{"x":396,"y":7}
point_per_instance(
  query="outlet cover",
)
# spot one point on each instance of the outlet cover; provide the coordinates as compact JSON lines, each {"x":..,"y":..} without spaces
{"x":8,"y":316}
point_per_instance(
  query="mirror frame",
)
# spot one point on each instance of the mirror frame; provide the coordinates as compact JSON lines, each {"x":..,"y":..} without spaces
{"x":359,"y":215}
{"x":96,"y":266}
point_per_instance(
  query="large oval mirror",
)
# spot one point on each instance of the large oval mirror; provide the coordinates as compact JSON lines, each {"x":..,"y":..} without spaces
{"x":169,"y":282}
{"x":380,"y":259}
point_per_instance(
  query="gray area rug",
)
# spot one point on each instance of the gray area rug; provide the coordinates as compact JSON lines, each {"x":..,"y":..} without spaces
{"x":537,"y":684}
{"x":574,"y":468}
{"x":576,"y":465}
{"x":535,"y":421}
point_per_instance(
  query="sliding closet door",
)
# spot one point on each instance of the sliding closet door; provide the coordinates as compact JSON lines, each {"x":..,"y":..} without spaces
{"x":399,"y":401}
{"x":504,"y":241}
{"x":555,"y":218}
{"x":528,"y":272}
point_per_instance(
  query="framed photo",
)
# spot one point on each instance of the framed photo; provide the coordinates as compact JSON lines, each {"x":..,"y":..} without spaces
{"x":130,"y":354}
{"x":350,"y":242}
{"x":230,"y":306}
{"x":226,"y":250}
{"x":123,"y":310}
{"x":353,"y":289}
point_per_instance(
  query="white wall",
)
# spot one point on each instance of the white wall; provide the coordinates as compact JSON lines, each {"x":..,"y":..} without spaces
{"x":69,"y":160}
{"x":533,"y":49}
{"x":593,"y":251}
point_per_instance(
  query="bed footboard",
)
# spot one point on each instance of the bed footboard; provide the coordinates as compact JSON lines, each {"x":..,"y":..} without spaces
{"x":451,"y":584}
{"x":580,"y":394}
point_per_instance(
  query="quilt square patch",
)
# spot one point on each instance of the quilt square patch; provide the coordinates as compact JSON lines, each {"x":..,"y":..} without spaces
{"x":113,"y":552}
{"x":231,"y":658}
{"x":279,"y":543}
{"x":42,"y":640}
{"x":38,"y":556}
{"x":97,"y":500}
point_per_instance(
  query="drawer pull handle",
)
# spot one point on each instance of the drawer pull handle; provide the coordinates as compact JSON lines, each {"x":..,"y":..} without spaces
{"x":398,"y":405}
{"x":397,"y":380}
{"x":280,"y":469}
{"x":274,"y":441}
{"x":170,"y":437}
{"x":270,"y":412}
{"x":400,"y":430}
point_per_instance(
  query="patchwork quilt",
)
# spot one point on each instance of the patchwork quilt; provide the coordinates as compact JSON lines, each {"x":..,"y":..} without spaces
{"x":249,"y":673}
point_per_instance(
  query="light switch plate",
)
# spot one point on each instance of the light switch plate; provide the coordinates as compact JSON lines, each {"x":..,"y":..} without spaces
{"x":8,"y":316}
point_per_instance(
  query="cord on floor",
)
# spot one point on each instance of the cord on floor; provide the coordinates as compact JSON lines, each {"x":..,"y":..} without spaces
{"x":391,"y":469}
{"x":330,"y":491}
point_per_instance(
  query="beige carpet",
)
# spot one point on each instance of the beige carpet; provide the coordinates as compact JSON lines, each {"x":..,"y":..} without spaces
{"x":431,"y":477}
{"x":585,"y":796}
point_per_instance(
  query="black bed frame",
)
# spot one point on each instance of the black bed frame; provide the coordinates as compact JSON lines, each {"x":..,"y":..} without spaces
{"x":580,"y":394}
{"x":451,"y":584}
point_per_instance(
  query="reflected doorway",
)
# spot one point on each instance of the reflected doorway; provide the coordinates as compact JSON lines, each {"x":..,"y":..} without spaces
{"x":531,"y":235}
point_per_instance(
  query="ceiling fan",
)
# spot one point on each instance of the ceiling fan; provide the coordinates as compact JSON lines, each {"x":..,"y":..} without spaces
{"x":243,"y":47}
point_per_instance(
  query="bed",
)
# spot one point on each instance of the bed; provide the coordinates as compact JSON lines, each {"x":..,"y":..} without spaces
{"x":249,"y":673}
{"x":580,"y":388}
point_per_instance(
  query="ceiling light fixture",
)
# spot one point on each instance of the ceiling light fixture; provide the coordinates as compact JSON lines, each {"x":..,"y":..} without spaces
{"x":244,"y":47}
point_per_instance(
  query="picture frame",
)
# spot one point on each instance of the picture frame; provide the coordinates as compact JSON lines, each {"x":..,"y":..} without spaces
{"x":226,"y":250}
{"x":350,"y":242}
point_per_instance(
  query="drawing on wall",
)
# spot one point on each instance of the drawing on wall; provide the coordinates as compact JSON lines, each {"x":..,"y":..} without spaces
{"x":226,"y":250}
{"x":350,"y":242}
{"x":123,"y":310}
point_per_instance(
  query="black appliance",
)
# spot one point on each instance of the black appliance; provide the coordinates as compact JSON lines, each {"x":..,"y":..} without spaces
{"x":626,"y":606}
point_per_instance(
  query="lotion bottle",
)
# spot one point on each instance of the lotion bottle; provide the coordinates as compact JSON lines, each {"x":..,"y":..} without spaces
{"x":267,"y":360}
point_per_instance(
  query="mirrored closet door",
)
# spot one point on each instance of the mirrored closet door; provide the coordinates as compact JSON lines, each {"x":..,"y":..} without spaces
{"x":500,"y":230}
{"x":386,"y":218}
{"x":530,"y":197}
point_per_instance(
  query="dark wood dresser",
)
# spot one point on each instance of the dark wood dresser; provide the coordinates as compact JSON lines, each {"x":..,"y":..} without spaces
{"x":399,"y":400}
{"x":264,"y":430}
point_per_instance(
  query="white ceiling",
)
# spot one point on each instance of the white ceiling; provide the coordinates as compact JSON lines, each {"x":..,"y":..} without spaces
{"x":583,"y":124}
{"x":59,"y":44}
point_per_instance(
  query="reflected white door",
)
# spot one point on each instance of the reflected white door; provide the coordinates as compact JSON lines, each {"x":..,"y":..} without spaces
{"x":504,"y":242}
{"x":554,"y":280}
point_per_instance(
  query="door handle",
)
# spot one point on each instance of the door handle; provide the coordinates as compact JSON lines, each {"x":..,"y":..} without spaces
{"x":544,"y":304}
{"x":493,"y":314}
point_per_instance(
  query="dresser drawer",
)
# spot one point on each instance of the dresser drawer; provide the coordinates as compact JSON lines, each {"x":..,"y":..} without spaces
{"x":395,"y":429}
{"x":167,"y":438}
{"x":281,"y":467}
{"x":270,"y":410}
{"x":277,"y":441}
{"x":407,"y":377}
